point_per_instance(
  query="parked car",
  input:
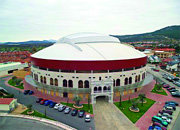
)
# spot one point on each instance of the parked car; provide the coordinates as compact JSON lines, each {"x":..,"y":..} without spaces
{"x":74,"y":112}
{"x":166,"y":119}
{"x":166,"y":86}
{"x":57,"y":106}
{"x":87,"y":118}
{"x":52,"y":104}
{"x":81,"y":113}
{"x":167,"y":115}
{"x":31,"y":92}
{"x":67,"y":110}
{"x":26,"y":92}
{"x":171,"y":105}
{"x":38,"y":100}
{"x":42,"y":101}
{"x":173,"y":90}
{"x":172,"y":102}
{"x":170,"y":88}
{"x":158,"y":124}
{"x":166,"y":111}
{"x":156,"y":70}
{"x":46,"y":103}
{"x":61,"y":108}
{"x":175,"y":94}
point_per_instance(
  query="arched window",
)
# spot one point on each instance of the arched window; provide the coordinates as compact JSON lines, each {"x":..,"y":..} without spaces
{"x":56,"y":82}
{"x":104,"y":88}
{"x":32,"y":74}
{"x":117,"y":82}
{"x":41,"y":79}
{"x":99,"y":89}
{"x":95,"y":89}
{"x":114,"y":83}
{"x":70,"y":83}
{"x":126,"y":81}
{"x":35,"y":76}
{"x":86,"y":84}
{"x":139,"y":78}
{"x":136,"y":79}
{"x":44,"y":80}
{"x":64,"y":83}
{"x":130,"y":80}
{"x":80,"y":84}
{"x":51,"y":81}
{"x":109,"y":88}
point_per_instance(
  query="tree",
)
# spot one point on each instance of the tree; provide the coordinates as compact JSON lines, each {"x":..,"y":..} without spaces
{"x":134,"y":105}
{"x":142,"y":97}
{"x":29,"y":107}
{"x":34,"y":50}
{"x":14,"y":78}
{"x":77,"y":100}
{"x":158,"y":86}
{"x":129,"y":99}
{"x":89,"y":100}
{"x":120,"y":100}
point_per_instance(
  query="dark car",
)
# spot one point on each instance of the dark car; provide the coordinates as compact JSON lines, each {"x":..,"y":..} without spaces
{"x":52,"y":104}
{"x":46,"y":103}
{"x":31,"y":92}
{"x":175,"y":94}
{"x":43,"y":101}
{"x":172,"y":90}
{"x":74,"y":112}
{"x":166,"y":107}
{"x":67,"y":110}
{"x":158,"y":124}
{"x":61,"y":108}
{"x":26,"y":92}
{"x":81,"y":113}
{"x":172,"y":102}
{"x":38,"y":100}
{"x":166,"y":111}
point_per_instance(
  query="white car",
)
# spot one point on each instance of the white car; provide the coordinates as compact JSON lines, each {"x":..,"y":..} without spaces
{"x":168,"y":120}
{"x":88,"y":118}
{"x":57,"y":106}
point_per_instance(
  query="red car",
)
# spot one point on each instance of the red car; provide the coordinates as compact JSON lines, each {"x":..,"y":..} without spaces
{"x":43,"y":101}
{"x":166,"y":86}
{"x":171,"y":88}
{"x":158,"y":124}
{"x":156,"y":70}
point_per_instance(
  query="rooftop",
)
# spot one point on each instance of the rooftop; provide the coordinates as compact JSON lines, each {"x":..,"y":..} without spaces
{"x":6,"y":100}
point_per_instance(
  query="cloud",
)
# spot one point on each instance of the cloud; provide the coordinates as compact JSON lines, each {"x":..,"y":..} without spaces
{"x":50,"y":19}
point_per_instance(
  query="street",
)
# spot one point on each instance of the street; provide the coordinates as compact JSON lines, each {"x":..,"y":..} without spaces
{"x":75,"y":122}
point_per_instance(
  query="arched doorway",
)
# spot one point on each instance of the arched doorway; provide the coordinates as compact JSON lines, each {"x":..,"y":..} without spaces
{"x":102,"y":98}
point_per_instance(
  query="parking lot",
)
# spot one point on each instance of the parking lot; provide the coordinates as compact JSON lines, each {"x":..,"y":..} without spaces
{"x":75,"y":122}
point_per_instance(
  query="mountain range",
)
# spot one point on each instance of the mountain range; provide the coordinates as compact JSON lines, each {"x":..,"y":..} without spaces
{"x":165,"y":34}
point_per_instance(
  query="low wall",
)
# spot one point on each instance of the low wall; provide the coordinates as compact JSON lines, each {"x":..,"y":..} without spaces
{"x":56,"y":123}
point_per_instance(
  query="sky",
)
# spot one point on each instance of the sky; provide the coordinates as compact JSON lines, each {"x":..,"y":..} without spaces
{"x":22,"y":20}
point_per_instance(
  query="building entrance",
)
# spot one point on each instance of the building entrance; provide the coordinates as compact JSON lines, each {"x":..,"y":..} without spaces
{"x":102,"y":90}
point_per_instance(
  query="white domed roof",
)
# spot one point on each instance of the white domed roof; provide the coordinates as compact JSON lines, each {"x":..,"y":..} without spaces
{"x":88,"y":47}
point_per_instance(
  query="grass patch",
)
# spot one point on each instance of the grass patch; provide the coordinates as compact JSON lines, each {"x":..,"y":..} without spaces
{"x":37,"y":114}
{"x":134,"y":116}
{"x":85,"y":107}
{"x":11,"y":82}
{"x":154,"y":90}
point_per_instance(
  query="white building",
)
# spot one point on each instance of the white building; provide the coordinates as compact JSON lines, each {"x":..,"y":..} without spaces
{"x":87,"y":64}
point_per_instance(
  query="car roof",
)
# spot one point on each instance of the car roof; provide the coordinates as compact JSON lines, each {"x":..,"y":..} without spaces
{"x":88,"y":115}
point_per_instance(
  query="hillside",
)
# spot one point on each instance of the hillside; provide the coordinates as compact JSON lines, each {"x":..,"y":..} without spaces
{"x":167,"y":33}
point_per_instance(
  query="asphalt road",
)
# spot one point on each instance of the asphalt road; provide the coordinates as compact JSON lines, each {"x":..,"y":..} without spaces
{"x":75,"y":122}
{"x":9,"y":123}
{"x":158,"y":75}
{"x":177,"y":125}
